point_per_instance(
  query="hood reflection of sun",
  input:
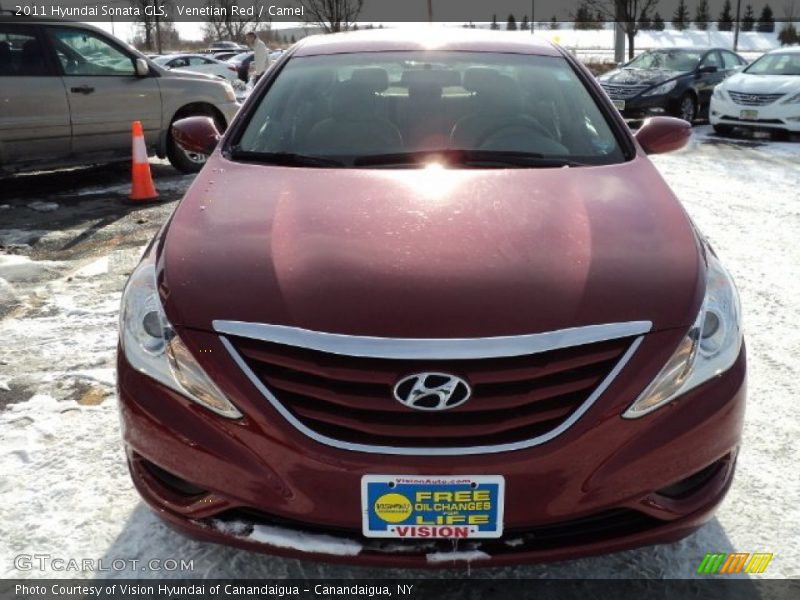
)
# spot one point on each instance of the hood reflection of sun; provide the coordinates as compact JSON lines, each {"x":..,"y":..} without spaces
{"x":434,"y":181}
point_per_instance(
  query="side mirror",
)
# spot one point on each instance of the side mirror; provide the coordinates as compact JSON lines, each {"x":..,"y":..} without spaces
{"x":142,"y":68}
{"x":663,"y":134}
{"x":196,"y":134}
{"x":707,"y":70}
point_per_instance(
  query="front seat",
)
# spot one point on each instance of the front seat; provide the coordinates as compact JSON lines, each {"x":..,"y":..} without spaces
{"x":354,"y":127}
{"x":32,"y":62}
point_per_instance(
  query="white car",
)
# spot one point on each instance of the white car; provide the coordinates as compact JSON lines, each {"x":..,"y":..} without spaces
{"x":765,"y":95}
{"x":198,"y":64}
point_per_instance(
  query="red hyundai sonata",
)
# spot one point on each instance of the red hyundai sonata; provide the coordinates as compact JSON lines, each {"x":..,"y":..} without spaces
{"x":428,"y":302}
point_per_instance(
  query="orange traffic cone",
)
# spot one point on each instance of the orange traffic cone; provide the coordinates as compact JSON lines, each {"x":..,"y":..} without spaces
{"x":142,"y":188}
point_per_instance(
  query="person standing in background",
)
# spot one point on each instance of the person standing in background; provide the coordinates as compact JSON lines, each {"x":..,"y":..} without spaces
{"x":260,"y":57}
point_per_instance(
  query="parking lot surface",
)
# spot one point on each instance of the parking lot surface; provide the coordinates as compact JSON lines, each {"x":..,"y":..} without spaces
{"x":69,"y":239}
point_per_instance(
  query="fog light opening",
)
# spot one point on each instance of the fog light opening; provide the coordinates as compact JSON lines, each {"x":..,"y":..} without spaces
{"x":173,"y":482}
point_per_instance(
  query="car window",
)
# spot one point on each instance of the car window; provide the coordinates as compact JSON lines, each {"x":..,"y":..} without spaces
{"x":86,"y":53}
{"x":351,"y":107}
{"x":731,"y":60}
{"x":787,"y":63}
{"x":668,"y":60}
{"x":21,"y":52}
{"x":198,"y":61}
{"x":711,"y":60}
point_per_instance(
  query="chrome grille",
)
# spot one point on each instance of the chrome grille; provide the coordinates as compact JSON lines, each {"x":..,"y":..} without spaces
{"x":753,"y":99}
{"x":623,"y":92}
{"x":346,"y":400}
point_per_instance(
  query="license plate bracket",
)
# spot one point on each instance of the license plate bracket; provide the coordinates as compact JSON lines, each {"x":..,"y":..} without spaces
{"x":430,"y":507}
{"x":619,"y":104}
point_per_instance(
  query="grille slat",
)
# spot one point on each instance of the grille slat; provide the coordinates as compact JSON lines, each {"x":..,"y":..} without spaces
{"x":350,"y":399}
{"x":746,"y":99}
{"x":404,"y":427}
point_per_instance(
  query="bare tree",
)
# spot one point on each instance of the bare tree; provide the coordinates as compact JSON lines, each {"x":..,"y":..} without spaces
{"x":332,"y":15}
{"x":148,"y":23}
{"x":225,"y":25}
{"x":626,"y":12}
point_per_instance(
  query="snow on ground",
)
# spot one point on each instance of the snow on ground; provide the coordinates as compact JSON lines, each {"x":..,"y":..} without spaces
{"x":64,"y":486}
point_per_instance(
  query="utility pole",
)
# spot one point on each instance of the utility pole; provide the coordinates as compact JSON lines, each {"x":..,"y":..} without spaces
{"x":533,"y":16}
{"x":430,"y":11}
{"x":736,"y":25}
{"x":619,"y":32}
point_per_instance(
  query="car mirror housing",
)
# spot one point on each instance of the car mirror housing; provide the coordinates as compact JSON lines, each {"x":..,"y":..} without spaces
{"x":706,"y":70}
{"x":196,"y":134}
{"x":658,"y":135}
{"x":142,"y":68}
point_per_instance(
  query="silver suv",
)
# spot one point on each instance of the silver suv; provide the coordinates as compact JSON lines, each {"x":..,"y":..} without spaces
{"x":69,"y":92}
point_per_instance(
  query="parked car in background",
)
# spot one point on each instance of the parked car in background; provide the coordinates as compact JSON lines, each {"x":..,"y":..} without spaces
{"x":766,"y":95}
{"x":225,"y":45}
{"x":671,"y":81}
{"x":197,"y":63}
{"x":69,"y":92}
{"x":242,"y":64}
{"x":226,"y":55}
{"x":426,"y":297}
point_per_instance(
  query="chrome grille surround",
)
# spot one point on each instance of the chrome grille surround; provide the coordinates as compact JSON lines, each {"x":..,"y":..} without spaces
{"x":431,"y":349}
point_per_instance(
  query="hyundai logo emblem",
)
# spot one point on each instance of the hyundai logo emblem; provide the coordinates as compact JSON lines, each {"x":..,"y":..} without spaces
{"x":432,"y":391}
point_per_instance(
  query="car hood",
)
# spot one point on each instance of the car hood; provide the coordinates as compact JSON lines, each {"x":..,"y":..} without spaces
{"x":639,"y":76}
{"x":433,"y":253}
{"x":763,"y":84}
{"x":186,"y":74}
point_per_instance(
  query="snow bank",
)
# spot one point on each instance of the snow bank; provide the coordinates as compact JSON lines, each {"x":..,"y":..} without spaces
{"x":466,"y":556}
{"x":14,"y":268}
{"x":301,"y":541}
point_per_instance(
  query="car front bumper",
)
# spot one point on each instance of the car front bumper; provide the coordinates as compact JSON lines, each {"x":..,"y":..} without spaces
{"x":606,"y":485}
{"x":772,"y":116}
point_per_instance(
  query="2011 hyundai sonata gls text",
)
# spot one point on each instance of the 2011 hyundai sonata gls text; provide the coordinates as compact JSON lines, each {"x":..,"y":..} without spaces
{"x":430,"y":301}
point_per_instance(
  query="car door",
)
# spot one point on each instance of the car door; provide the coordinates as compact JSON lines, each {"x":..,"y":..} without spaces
{"x":706,"y":81}
{"x":105,"y":94}
{"x":34,"y":118}
{"x":730,"y":62}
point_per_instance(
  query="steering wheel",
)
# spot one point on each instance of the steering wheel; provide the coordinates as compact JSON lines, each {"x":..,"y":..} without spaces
{"x":520,"y":122}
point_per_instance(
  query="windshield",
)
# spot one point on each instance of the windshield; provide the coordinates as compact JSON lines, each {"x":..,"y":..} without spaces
{"x":669,"y":60}
{"x":776,"y":64}
{"x":396,"y":108}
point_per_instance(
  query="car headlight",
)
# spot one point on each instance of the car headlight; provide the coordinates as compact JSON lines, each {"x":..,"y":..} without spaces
{"x":792,"y":99}
{"x":719,"y":93}
{"x":710,"y":347}
{"x":229,"y":93}
{"x":152,"y":347}
{"x":660,"y":90}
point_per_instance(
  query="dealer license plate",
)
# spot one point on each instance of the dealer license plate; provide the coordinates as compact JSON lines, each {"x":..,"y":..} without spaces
{"x":619,"y":104}
{"x":748,"y":115}
{"x":400,"y":506}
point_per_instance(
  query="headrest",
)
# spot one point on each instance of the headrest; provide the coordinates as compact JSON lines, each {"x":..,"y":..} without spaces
{"x":502,"y":97}
{"x":480,"y":79}
{"x":352,"y":101}
{"x":375,"y":79}
{"x":441,"y":77}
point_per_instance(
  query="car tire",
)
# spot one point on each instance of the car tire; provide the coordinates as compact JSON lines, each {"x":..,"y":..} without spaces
{"x":189,"y":162}
{"x":686,"y":108}
{"x":723,"y":129}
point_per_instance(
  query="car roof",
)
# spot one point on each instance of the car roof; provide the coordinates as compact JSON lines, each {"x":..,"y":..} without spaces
{"x":424,"y":38}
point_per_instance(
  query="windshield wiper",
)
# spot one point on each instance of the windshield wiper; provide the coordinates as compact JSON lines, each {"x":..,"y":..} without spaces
{"x":285,"y":159}
{"x":470,"y":158}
